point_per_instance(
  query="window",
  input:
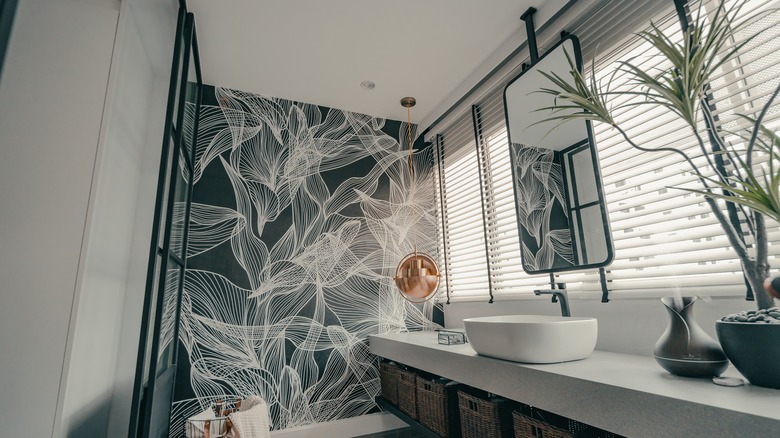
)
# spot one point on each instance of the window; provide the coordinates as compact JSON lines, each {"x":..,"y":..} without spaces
{"x":664,"y":238}
{"x":503,"y":245}
{"x":463,"y":232}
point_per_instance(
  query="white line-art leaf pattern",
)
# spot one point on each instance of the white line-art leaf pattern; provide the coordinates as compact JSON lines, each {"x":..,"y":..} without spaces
{"x":539,"y":185}
{"x":210,"y":226}
{"x":291,"y":268}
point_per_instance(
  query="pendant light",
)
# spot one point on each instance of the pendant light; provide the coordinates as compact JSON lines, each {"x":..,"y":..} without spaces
{"x":417,"y":276}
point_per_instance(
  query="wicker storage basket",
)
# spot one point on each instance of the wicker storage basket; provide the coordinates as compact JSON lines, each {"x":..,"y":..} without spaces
{"x":388,"y":379}
{"x":527,"y":427}
{"x":437,"y":405}
{"x":407,"y":392}
{"x":482,"y":417}
{"x":532,"y":423}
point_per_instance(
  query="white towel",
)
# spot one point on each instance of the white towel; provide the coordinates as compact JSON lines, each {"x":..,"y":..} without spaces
{"x":252,"y":422}
{"x":250,"y":402}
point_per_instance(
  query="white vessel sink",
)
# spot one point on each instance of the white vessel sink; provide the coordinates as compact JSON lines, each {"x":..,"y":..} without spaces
{"x":532,"y":338}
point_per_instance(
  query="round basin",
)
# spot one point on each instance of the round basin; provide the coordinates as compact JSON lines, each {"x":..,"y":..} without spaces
{"x":533,"y":338}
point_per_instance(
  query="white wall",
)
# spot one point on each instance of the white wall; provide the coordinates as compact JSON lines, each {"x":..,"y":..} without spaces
{"x":625,"y":326}
{"x":92,"y":358}
{"x":124,"y":378}
{"x":102,"y":357}
{"x":51,"y":105}
{"x":82,"y":103}
{"x":136,"y":278}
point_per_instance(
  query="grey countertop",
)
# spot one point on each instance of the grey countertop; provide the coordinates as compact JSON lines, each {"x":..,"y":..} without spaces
{"x":626,"y":394}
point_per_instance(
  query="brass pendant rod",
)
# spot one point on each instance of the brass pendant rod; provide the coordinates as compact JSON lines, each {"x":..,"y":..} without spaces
{"x":411,"y":173}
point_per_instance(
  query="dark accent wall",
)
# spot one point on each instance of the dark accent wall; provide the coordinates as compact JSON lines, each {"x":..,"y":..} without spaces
{"x":7,"y":12}
{"x":300,"y":215}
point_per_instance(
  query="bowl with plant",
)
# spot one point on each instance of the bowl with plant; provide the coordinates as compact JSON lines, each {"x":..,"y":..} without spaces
{"x":740,"y":177}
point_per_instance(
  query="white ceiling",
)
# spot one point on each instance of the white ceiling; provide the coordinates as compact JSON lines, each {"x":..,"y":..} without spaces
{"x":320,"y":51}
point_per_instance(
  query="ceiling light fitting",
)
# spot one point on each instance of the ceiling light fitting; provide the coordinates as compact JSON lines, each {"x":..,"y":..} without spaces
{"x":367,"y":85}
{"x":417,"y":276}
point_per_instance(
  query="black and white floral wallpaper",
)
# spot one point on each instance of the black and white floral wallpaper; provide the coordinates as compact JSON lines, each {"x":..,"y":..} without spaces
{"x":300,"y":215}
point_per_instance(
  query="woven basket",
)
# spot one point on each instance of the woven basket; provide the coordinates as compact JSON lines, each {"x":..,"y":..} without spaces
{"x":437,"y":407}
{"x":527,"y":427}
{"x":530,"y":422}
{"x":388,"y":379}
{"x":407,"y":392}
{"x":481,"y":417}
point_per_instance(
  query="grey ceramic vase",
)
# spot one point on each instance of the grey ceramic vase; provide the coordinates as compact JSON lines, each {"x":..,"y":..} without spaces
{"x":684,"y":348}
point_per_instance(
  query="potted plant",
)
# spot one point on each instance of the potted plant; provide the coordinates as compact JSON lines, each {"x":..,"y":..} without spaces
{"x":745,"y":174}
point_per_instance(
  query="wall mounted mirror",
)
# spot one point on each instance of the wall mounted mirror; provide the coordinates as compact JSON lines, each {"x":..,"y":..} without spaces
{"x":561,"y":212}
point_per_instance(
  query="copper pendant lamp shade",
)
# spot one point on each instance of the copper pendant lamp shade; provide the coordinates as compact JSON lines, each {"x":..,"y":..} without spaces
{"x":417,"y":276}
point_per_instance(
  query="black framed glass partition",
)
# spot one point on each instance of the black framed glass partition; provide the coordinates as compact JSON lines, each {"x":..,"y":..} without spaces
{"x":157,"y":353}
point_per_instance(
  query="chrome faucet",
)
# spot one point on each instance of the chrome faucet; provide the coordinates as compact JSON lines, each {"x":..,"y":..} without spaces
{"x":558,"y":295}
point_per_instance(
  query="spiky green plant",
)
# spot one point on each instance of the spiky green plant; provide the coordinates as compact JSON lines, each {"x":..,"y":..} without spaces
{"x":683,"y":89}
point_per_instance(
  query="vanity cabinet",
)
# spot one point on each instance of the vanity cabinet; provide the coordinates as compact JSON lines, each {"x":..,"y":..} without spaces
{"x":625,"y":394}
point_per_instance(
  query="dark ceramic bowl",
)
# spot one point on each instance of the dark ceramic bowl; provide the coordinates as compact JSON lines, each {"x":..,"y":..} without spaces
{"x":754,"y":349}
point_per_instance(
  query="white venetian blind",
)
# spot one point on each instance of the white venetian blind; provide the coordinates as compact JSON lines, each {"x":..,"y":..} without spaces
{"x":503,"y":274}
{"x":463,"y":233}
{"x":503,"y":244}
{"x":664,"y":238}
{"x":667,"y":238}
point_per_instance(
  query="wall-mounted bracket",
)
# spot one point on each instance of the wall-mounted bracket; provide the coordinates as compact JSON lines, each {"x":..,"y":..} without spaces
{"x":528,"y":17}
{"x":682,"y":13}
{"x":604,"y":289}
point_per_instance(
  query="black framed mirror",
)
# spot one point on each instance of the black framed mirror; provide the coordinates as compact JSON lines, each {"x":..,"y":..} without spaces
{"x":561,"y":213}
